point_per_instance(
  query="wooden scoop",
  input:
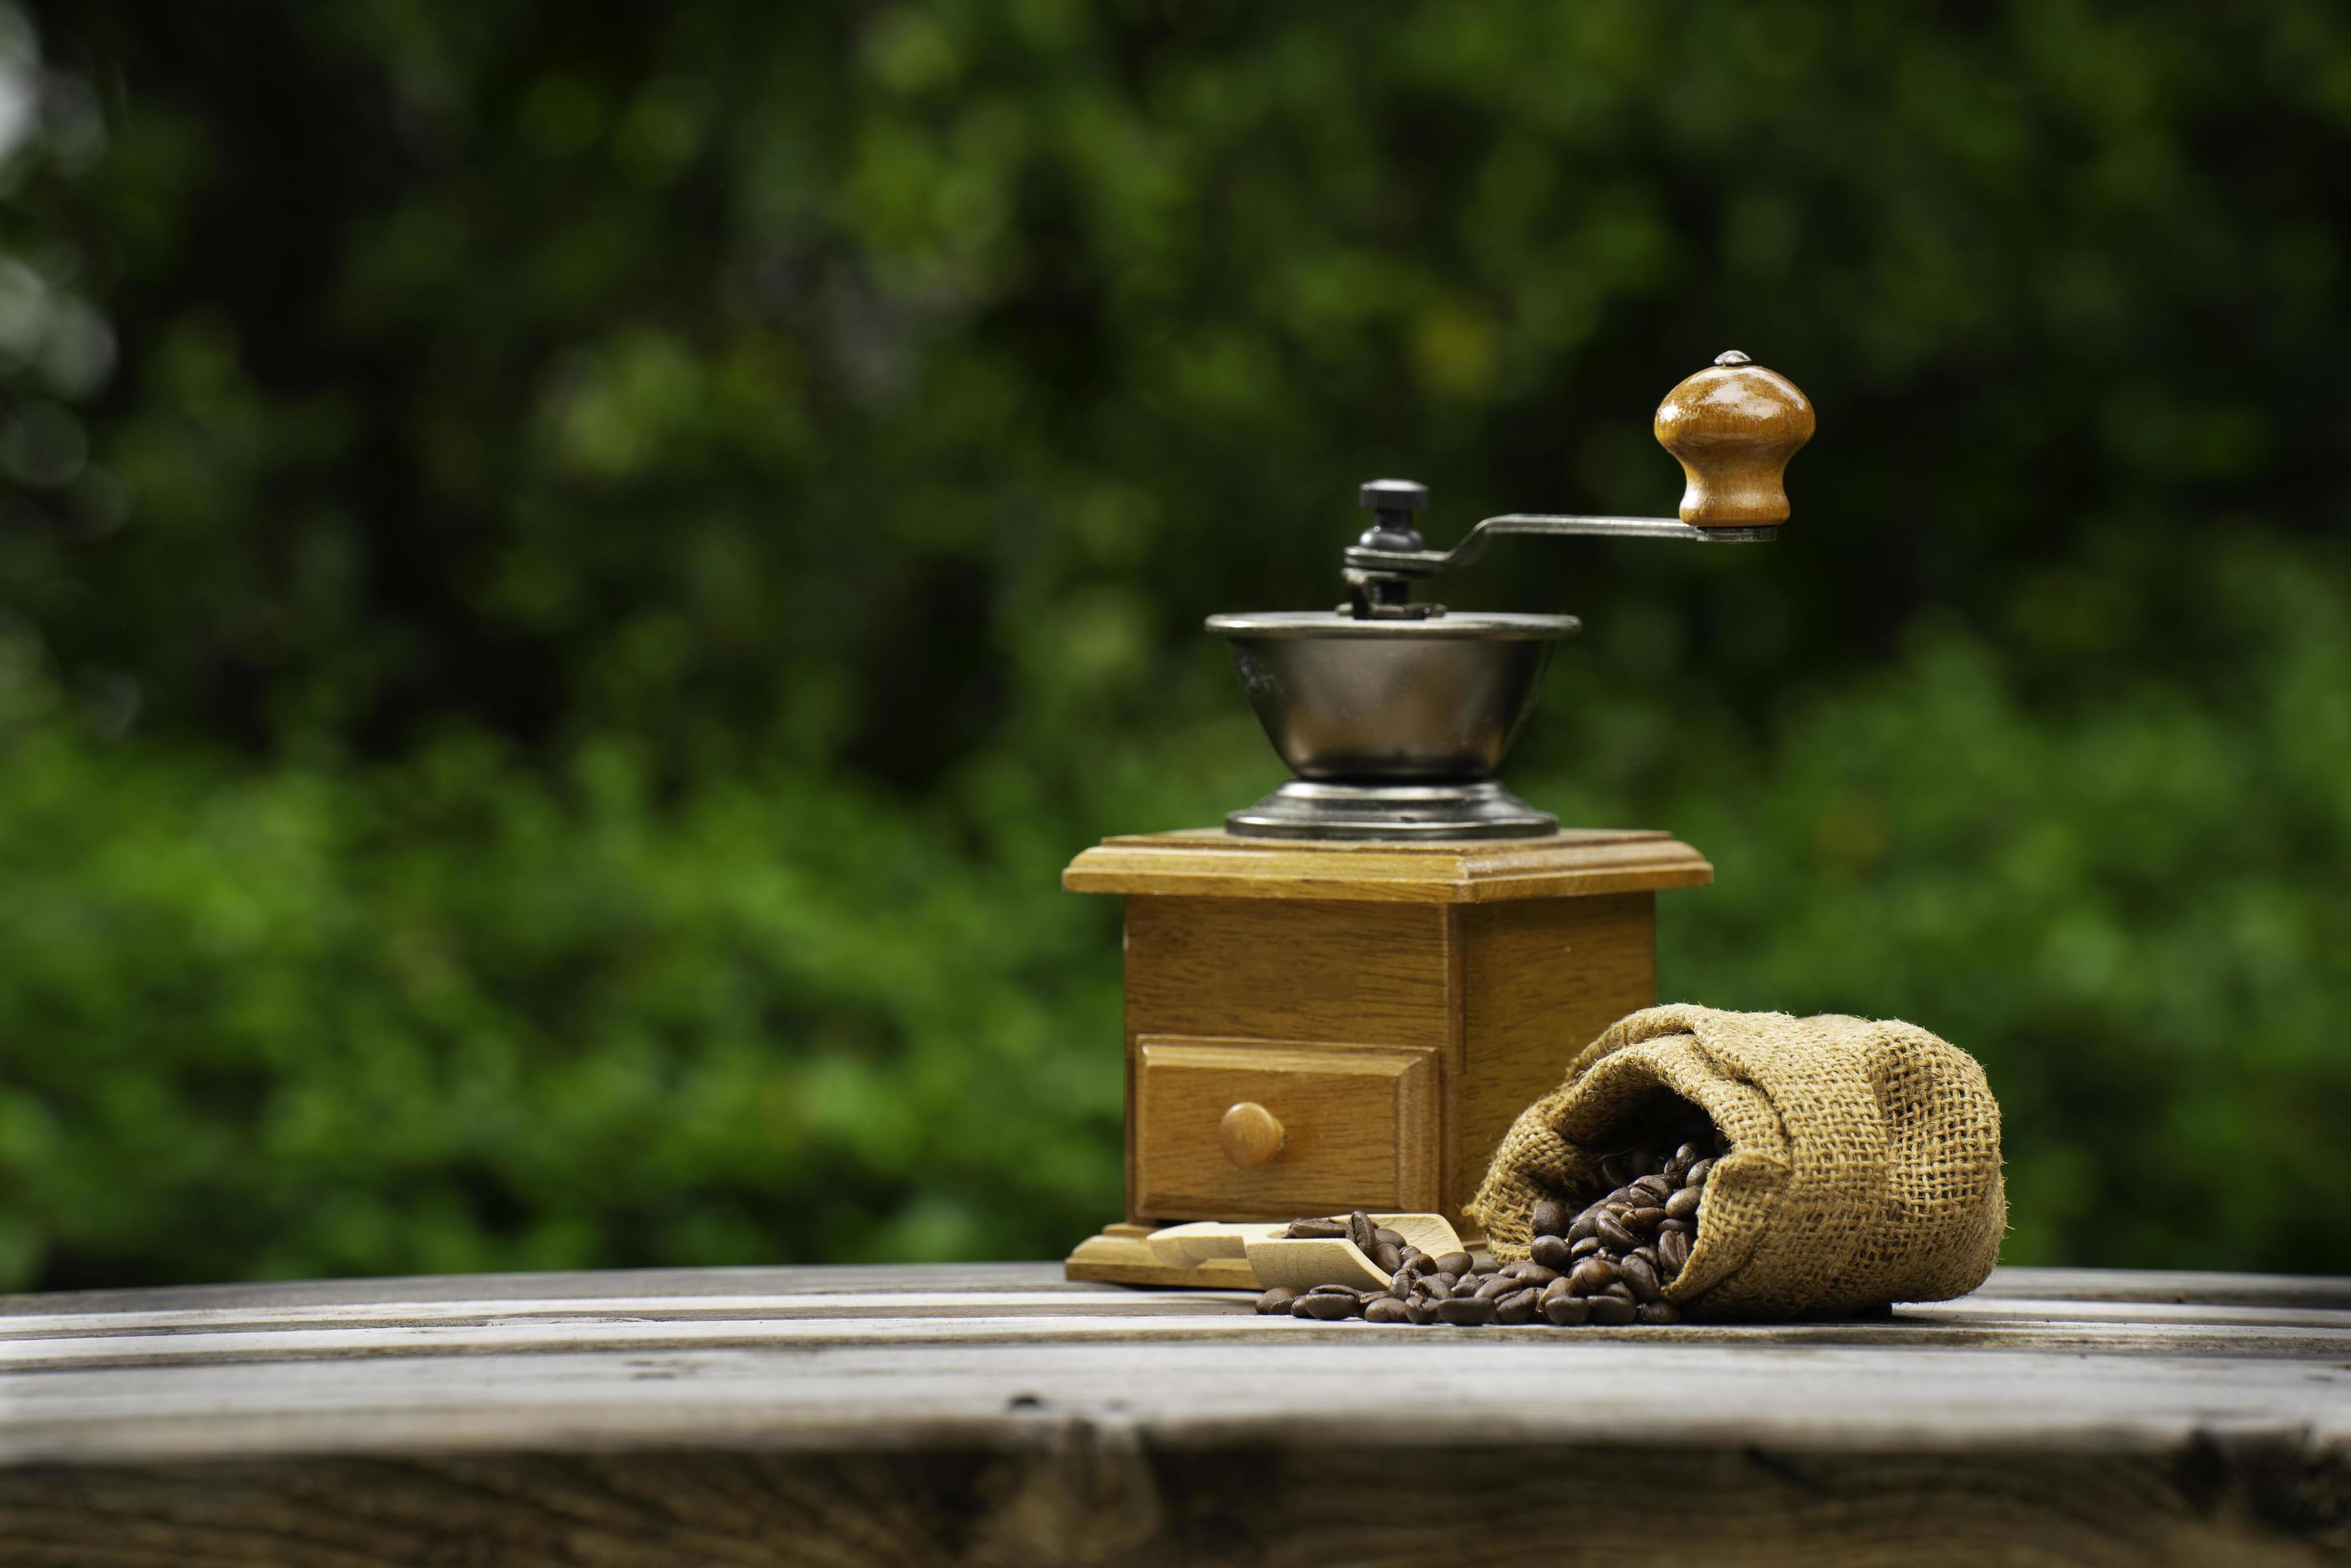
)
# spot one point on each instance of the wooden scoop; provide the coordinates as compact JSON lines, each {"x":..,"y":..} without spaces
{"x":1303,"y":1262}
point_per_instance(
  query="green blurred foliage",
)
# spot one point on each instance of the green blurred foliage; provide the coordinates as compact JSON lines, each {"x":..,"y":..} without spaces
{"x":571,"y":576}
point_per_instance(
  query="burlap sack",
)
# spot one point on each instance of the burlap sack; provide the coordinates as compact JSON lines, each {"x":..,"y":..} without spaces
{"x":1863,"y":1163}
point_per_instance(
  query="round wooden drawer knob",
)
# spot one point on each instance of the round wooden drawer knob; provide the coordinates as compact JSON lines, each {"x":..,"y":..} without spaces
{"x":1251,"y":1133}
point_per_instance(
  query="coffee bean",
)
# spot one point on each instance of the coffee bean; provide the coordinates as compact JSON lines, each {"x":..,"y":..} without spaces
{"x":1473,"y":1313}
{"x":1316,"y":1230}
{"x":1608,"y":1263}
{"x":1567,"y":1311}
{"x":1673,"y":1251}
{"x":1277,"y":1299}
{"x":1593,"y":1274}
{"x":1550,"y":1252}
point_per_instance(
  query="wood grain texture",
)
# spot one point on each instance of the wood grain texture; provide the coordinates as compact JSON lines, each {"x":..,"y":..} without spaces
{"x":1358,"y":1124}
{"x":2213,"y":1297}
{"x":1122,"y":1254}
{"x":996,"y":1414}
{"x":1210,"y":862}
{"x":1095,"y":1492}
{"x":1540,"y":981}
{"x":1201,"y":1240}
{"x":1312,"y":970}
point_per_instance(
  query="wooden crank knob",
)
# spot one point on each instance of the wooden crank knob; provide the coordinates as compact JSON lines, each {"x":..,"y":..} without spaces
{"x":1732,"y":428}
{"x":1251,"y":1133}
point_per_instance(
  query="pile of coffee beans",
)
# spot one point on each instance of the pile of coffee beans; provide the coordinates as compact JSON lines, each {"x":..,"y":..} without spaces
{"x":1388,"y":1250}
{"x":1607,"y":1265}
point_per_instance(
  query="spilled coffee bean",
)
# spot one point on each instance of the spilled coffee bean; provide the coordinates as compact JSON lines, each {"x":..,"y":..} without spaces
{"x":1607,"y":1264}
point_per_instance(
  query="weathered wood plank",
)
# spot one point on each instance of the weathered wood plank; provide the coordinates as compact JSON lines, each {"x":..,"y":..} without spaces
{"x":2048,"y":1284}
{"x":2285,"y":1343}
{"x":1329,"y":1388}
{"x":1103,"y":1495}
{"x":1221,"y":1304}
{"x":999,"y":1414}
{"x":1228,"y":1310}
{"x":787,"y":1279}
{"x":2177,"y":1286}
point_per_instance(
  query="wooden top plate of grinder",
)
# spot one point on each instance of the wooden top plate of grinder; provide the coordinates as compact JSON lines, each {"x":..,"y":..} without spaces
{"x":1302,"y":1262}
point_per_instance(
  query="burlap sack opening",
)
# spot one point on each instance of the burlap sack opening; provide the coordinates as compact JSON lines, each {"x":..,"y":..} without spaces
{"x":1863,"y":1163}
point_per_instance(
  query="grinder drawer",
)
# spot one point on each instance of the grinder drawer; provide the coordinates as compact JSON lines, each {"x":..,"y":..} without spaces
{"x":1234,"y":1129}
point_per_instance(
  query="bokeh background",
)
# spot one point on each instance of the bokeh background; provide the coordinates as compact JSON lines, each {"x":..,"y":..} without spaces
{"x":571,"y":574}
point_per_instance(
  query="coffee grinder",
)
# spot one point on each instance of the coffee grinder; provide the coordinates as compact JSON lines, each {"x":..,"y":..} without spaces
{"x":1342,"y":998}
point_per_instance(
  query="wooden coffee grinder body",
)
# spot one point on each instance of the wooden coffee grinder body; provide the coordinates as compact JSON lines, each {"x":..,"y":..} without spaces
{"x":1312,"y":1028}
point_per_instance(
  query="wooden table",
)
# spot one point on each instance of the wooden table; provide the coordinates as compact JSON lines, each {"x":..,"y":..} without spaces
{"x":991,"y":1414}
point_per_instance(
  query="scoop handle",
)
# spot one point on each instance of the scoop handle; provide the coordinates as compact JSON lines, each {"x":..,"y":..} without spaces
{"x":1732,"y":428}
